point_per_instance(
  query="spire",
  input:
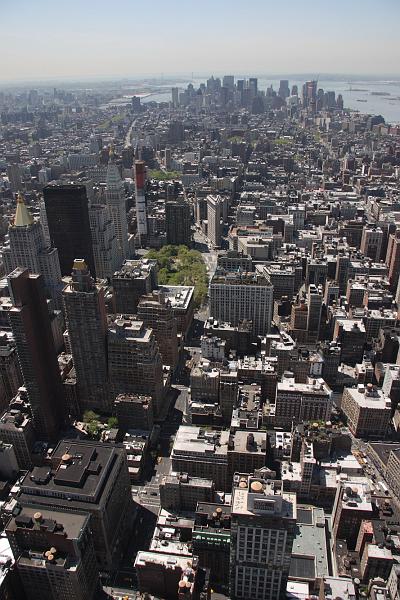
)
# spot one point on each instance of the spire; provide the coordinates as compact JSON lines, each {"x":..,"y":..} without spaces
{"x":22,"y":215}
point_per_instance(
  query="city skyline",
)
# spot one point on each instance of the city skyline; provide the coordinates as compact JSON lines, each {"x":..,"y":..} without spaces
{"x":50,"y":43}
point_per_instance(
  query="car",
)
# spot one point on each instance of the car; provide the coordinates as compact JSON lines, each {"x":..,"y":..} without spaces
{"x":153,"y":494}
{"x":144,"y":492}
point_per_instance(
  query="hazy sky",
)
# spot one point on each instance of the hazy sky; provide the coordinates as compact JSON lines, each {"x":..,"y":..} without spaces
{"x":42,"y":39}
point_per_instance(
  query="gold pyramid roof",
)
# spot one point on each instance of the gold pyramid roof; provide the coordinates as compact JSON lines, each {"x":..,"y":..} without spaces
{"x":22,"y":215}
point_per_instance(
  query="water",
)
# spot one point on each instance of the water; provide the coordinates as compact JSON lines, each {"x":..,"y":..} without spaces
{"x":352,"y":91}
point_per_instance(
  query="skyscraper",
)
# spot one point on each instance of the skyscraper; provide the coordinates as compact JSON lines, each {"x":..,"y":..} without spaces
{"x":28,"y":249}
{"x":141,"y":211}
{"x":135,"y":364}
{"x":263,"y":525}
{"x":85,"y":314}
{"x":177,"y":221}
{"x":69,"y":225}
{"x":115,"y":196}
{"x":107,"y":257}
{"x":30,"y":322}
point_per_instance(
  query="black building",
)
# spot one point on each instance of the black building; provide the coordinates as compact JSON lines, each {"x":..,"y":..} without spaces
{"x":178,"y":221}
{"x":30,"y":322}
{"x":69,"y":226}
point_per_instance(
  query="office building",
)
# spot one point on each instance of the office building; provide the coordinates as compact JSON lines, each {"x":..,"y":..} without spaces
{"x":371,"y":242}
{"x":9,"y":466}
{"x":115,"y":197}
{"x":180,"y":492}
{"x":141,"y":208}
{"x":134,"y":361}
{"x":201,"y":453}
{"x":106,"y":254}
{"x":169,"y":576}
{"x":284,"y":91}
{"x":91,"y":478}
{"x":175,"y":97}
{"x":27,"y":248}
{"x":16,"y":428}
{"x":393,"y":259}
{"x":182,"y":303}
{"x":54,"y":554}
{"x":367,"y":411}
{"x":352,"y":506}
{"x":155,"y":311}
{"x":10,"y":372}
{"x":30,"y":323}
{"x":247,"y":452}
{"x":299,"y":402}
{"x":314,"y":305}
{"x":134,"y":411}
{"x":178,"y":222}
{"x":263,"y":526}
{"x":214,"y":217}
{"x":86,"y":320}
{"x":135,"y":279}
{"x":211,"y":541}
{"x":69,"y":225}
{"x":350,"y":334}
{"x":238,"y":297}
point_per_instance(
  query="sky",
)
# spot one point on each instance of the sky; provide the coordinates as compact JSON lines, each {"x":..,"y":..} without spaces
{"x":50,"y":39}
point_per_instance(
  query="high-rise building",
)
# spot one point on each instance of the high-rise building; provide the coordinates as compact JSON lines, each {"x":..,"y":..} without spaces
{"x":69,"y":224}
{"x":284,"y":91}
{"x":86,"y":320}
{"x":263,"y":526}
{"x":134,"y":411}
{"x":237,"y":297}
{"x":30,"y":323}
{"x":175,"y":97}
{"x":54,"y":554}
{"x":134,"y":361}
{"x":352,"y":505}
{"x":155,"y":311}
{"x":314,"y":305}
{"x":141,"y":209}
{"x":115,"y":196}
{"x":179,"y":492}
{"x":178,"y":222}
{"x":393,"y":259}
{"x":92,"y":478}
{"x":214,"y":215}
{"x":107,"y":258}
{"x":14,"y":177}
{"x":228,"y":81}
{"x":28,"y":249}
{"x":310,"y":94}
{"x":135,"y":279}
{"x":371,"y":242}
{"x":16,"y":428}
{"x":10,"y":373}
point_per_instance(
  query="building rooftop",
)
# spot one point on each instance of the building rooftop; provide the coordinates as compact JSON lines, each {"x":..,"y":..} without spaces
{"x":369,"y":397}
{"x":195,"y":441}
{"x":78,"y":472}
{"x":254,"y":495}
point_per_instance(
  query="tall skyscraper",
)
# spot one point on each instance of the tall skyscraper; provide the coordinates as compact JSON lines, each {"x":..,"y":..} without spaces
{"x":141,"y":210}
{"x":284,"y":91}
{"x":115,"y":196}
{"x":107,"y":257}
{"x":175,"y":97}
{"x":30,"y":322}
{"x":314,"y":304}
{"x":135,"y":364}
{"x":28,"y":249}
{"x":85,"y":314}
{"x":263,"y":526}
{"x":177,"y":221}
{"x":69,"y":225}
